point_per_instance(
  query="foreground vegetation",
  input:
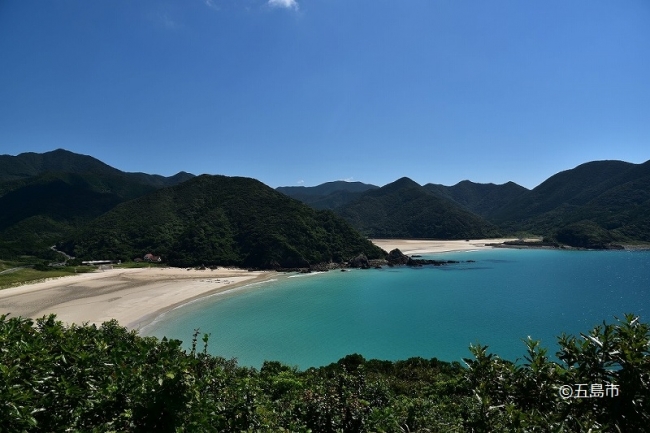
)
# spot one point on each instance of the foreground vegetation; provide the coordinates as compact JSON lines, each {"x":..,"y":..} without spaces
{"x":87,"y":378}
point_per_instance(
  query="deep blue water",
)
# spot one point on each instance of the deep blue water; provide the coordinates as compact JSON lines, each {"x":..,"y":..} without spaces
{"x":396,"y":313}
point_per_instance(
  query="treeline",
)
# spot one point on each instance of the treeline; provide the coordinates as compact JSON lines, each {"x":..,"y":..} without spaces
{"x":99,"y":379}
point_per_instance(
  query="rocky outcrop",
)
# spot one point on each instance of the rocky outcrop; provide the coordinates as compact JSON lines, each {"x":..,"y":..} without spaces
{"x":360,"y":261}
{"x":396,"y":257}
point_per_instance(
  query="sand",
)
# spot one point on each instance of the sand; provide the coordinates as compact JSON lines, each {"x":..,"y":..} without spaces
{"x":134,"y":297}
{"x":417,"y":246}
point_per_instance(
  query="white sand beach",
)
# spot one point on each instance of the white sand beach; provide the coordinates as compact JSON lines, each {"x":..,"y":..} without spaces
{"x":134,"y":297}
{"x":419,"y":246}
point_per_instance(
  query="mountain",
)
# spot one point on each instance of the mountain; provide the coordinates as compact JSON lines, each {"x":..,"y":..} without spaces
{"x":404,"y":209}
{"x":590,"y":205}
{"x":219,"y":220}
{"x":329,"y":195}
{"x":27,"y":165}
{"x":44,"y":197}
{"x":483,"y":199}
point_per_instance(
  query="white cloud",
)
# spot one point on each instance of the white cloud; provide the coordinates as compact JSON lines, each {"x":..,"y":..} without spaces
{"x":211,"y":4}
{"x":288,"y":4}
{"x":348,"y":179}
{"x":300,"y":182}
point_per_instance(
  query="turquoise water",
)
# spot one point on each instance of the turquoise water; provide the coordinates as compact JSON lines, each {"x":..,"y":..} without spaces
{"x":396,"y":313}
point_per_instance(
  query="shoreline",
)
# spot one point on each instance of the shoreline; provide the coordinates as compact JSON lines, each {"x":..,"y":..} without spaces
{"x":134,"y":297}
{"x":148,"y":319}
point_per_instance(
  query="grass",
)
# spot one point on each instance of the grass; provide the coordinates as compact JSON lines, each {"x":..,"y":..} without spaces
{"x":28,"y":275}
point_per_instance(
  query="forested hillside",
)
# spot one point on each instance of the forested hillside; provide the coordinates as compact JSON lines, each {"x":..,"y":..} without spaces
{"x":483,"y":199}
{"x":591,"y":205}
{"x":404,"y":209}
{"x":218,"y":220}
{"x":44,"y":197}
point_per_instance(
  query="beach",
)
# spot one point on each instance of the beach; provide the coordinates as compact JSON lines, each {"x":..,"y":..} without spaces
{"x":420,"y":246}
{"x":134,"y":297}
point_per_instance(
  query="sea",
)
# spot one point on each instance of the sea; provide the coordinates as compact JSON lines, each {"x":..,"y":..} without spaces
{"x":497,"y":298}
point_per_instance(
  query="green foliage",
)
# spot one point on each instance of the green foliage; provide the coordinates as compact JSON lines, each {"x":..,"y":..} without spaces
{"x":218,"y":220}
{"x":89,"y":378}
{"x":608,"y":371}
{"x":584,"y":234}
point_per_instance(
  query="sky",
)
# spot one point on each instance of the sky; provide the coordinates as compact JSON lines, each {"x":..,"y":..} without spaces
{"x":301,"y":92}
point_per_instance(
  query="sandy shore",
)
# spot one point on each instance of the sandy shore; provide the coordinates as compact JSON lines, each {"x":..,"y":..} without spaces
{"x":417,"y":246}
{"x":134,"y":297}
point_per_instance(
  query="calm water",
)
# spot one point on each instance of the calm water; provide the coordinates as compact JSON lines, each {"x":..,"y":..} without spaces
{"x":396,"y":313}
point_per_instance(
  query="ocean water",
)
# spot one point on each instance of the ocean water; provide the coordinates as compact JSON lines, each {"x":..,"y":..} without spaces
{"x":396,"y":313}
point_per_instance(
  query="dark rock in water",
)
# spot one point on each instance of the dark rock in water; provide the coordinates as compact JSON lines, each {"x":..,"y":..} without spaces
{"x":360,"y":261}
{"x":415,"y":256}
{"x":396,"y":257}
{"x":414,"y":262}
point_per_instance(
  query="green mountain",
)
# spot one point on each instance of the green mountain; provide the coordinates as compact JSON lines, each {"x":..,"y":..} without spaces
{"x":483,"y":199}
{"x":589,"y":206}
{"x":404,"y":209}
{"x":329,"y":195}
{"x":44,"y":197}
{"x":218,"y":220}
{"x":27,"y":165}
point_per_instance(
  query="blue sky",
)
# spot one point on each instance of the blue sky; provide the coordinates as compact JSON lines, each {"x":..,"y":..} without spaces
{"x":307,"y":91}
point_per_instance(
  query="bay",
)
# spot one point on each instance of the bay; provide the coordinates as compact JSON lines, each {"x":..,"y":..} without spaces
{"x":498,"y":299}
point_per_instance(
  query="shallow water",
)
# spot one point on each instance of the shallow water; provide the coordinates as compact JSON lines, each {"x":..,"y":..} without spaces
{"x":396,"y":313}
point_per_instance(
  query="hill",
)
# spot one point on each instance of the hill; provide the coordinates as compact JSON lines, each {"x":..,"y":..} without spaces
{"x":329,"y":195}
{"x":44,"y":197}
{"x":589,"y":206}
{"x":483,"y":199}
{"x":219,"y":220}
{"x":27,"y":165}
{"x":404,"y":209}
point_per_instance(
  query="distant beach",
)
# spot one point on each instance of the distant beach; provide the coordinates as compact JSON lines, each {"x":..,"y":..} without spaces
{"x":423,"y":246}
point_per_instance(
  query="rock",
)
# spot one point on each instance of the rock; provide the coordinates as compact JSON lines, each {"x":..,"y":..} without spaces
{"x":396,"y":257}
{"x":414,"y":262}
{"x":360,"y":261}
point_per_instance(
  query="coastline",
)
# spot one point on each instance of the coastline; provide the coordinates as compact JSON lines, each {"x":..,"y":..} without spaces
{"x":136,"y":297}
{"x":133,"y":297}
